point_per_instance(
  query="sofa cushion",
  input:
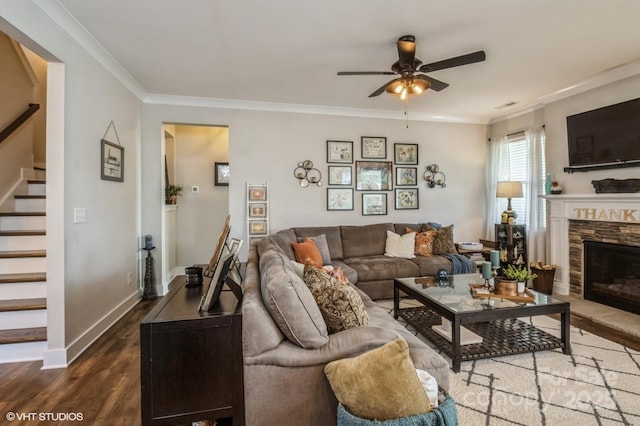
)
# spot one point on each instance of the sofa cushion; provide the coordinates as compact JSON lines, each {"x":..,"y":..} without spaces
{"x":307,"y":252}
{"x":332,"y":233}
{"x":376,"y":268}
{"x":443,"y":241}
{"x":400,"y":245}
{"x":323,"y":247}
{"x":284,"y":239}
{"x":290,"y":302}
{"x":340,"y":304}
{"x":380,"y":384}
{"x":400,"y":228}
{"x":266,"y":244}
{"x":352,"y":274}
{"x":430,"y":265}
{"x":367,"y":240}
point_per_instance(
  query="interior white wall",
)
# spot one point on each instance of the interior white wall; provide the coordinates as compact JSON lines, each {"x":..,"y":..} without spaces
{"x":200,"y":215}
{"x":98,"y":254}
{"x":266,"y":147}
{"x":557,"y":151}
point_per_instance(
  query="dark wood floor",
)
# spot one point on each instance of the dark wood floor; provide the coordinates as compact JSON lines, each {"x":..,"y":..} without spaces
{"x":103,"y":384}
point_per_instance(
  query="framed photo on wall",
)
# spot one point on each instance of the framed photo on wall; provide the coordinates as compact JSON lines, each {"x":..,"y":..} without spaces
{"x":112,"y":160}
{"x":406,"y":153}
{"x":339,"y":198}
{"x":257,"y":210}
{"x":373,"y":147}
{"x":374,"y":204}
{"x":339,"y":152}
{"x":340,"y":175}
{"x":221,"y":173}
{"x":374,"y":175}
{"x":258,"y":227}
{"x":406,"y":198}
{"x":257,"y":193}
{"x":406,"y":176}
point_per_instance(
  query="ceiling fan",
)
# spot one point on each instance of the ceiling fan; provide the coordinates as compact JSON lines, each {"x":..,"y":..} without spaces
{"x":407,"y":66}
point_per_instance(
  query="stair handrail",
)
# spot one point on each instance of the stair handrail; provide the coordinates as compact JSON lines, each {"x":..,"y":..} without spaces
{"x":4,"y":134}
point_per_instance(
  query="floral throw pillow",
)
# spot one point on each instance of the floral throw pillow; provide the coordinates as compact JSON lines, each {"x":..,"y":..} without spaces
{"x":341,"y":305}
{"x":443,"y":240}
{"x":424,"y":242}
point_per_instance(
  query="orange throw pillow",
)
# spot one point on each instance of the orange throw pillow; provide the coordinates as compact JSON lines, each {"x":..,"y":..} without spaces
{"x":307,"y":252}
{"x":424,"y":242}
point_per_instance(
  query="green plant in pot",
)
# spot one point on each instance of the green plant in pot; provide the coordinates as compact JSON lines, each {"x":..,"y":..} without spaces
{"x":519,"y":274}
{"x":173,"y":191}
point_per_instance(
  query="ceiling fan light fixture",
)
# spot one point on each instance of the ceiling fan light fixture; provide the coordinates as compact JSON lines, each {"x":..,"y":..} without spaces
{"x":408,"y":87}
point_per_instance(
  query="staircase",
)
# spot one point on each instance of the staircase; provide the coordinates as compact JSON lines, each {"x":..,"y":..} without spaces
{"x":23,"y":303}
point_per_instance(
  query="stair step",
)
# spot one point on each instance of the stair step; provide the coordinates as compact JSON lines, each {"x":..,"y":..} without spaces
{"x":19,"y":214}
{"x":30,"y":203}
{"x":23,"y":242}
{"x":22,"y":278}
{"x":29,"y":197}
{"x":27,"y":289}
{"x":22,"y":304}
{"x":22,"y":233}
{"x":22,"y":222}
{"x":23,"y":335}
{"x":36,"y":181}
{"x":16,"y":254}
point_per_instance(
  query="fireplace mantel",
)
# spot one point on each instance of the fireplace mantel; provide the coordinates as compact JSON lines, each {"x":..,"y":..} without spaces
{"x":598,"y":207}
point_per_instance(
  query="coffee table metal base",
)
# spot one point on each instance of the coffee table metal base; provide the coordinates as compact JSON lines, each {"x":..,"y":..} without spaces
{"x":500,"y":337}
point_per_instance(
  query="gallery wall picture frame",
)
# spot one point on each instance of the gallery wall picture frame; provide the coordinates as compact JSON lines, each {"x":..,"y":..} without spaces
{"x":373,"y":147}
{"x":257,"y":210}
{"x":405,"y":153}
{"x":258,"y":227}
{"x":111,"y":161}
{"x":340,"y":175}
{"x":257,"y":193}
{"x":374,"y":175}
{"x":221,"y":174}
{"x":406,"y":198}
{"x":340,"y":152}
{"x":374,"y":204}
{"x":339,"y":198}
{"x":406,"y":176}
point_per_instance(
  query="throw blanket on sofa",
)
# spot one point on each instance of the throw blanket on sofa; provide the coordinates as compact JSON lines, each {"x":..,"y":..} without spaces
{"x":460,"y":264}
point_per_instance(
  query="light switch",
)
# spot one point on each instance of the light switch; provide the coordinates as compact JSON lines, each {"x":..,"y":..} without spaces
{"x":195,"y":189}
{"x":79,"y":215}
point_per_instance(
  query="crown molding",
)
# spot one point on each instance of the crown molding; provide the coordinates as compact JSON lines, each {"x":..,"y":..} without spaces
{"x":69,"y":24}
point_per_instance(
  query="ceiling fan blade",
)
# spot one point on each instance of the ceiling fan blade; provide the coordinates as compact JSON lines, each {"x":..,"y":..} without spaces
{"x":366,"y":73}
{"x":406,"y":52}
{"x":469,"y":58}
{"x":383,"y":88}
{"x":434,"y":84}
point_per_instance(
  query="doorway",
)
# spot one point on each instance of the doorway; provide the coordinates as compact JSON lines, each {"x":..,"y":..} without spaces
{"x":191,"y":225}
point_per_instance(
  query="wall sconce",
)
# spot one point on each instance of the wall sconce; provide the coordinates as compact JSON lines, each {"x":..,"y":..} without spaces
{"x":306,"y":174}
{"x":434,"y":176}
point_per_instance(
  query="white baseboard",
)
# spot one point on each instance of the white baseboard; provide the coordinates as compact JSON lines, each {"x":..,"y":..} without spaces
{"x":61,"y":358}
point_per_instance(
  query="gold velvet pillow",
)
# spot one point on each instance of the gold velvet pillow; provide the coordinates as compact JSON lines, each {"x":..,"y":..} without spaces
{"x":307,"y":252}
{"x":443,"y":241}
{"x":381,"y":384}
{"x":424,"y":242}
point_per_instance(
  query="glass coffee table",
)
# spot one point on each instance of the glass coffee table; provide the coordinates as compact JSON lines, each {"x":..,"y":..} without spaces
{"x":466,"y":328}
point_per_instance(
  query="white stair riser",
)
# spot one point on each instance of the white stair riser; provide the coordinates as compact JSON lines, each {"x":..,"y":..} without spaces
{"x":28,"y":242}
{"x":22,"y":265}
{"x":37,"y":189}
{"x":31,"y":205}
{"x":22,"y":223}
{"x":23,"y":290}
{"x":20,"y":352}
{"x":23,"y":319}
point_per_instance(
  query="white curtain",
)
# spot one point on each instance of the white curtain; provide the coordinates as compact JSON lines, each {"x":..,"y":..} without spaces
{"x":498,"y":167}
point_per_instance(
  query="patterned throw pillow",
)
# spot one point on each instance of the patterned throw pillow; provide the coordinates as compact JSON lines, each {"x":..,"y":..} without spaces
{"x":443,"y":240}
{"x":339,"y":275}
{"x":341,"y":305}
{"x":424,"y":242}
{"x":307,"y":252}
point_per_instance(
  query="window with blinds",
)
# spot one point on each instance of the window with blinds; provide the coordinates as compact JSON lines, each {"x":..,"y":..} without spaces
{"x":519,"y":163}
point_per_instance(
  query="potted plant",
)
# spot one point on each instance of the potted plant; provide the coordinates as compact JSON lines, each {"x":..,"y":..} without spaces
{"x":173,"y":191}
{"x":519,"y":274}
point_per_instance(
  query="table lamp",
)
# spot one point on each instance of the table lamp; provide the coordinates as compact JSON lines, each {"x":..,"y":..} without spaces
{"x":509,"y":190}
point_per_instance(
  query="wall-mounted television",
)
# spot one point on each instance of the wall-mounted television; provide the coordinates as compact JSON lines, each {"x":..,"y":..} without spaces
{"x":607,"y":137}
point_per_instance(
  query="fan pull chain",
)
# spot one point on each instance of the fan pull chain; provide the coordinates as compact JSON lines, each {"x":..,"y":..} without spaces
{"x":406,"y":110}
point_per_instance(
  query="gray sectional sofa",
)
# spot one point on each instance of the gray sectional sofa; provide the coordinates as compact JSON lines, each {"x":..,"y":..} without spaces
{"x":285,"y":341}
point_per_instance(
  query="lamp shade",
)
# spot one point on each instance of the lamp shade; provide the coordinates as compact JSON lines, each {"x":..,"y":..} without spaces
{"x":509,"y":189}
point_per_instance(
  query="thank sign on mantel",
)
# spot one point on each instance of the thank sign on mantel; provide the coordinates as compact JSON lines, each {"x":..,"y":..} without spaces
{"x":610,"y":215}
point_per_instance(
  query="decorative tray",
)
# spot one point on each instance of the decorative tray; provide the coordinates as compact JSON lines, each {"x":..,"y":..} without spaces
{"x":479,"y":292}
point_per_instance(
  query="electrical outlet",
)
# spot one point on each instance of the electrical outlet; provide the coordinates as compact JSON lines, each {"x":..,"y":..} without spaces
{"x":195,"y":189}
{"x":130,"y":278}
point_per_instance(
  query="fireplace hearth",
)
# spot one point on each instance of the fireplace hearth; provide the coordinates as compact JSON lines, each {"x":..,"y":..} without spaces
{"x":612,"y":275}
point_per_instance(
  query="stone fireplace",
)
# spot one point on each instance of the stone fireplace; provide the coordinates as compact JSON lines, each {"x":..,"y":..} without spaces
{"x":612,"y":221}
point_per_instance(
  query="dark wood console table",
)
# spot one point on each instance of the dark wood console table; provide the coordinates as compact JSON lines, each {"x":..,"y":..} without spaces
{"x":191,"y":362}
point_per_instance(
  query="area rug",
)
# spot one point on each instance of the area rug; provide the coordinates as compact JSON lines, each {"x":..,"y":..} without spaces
{"x":598,"y":384}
